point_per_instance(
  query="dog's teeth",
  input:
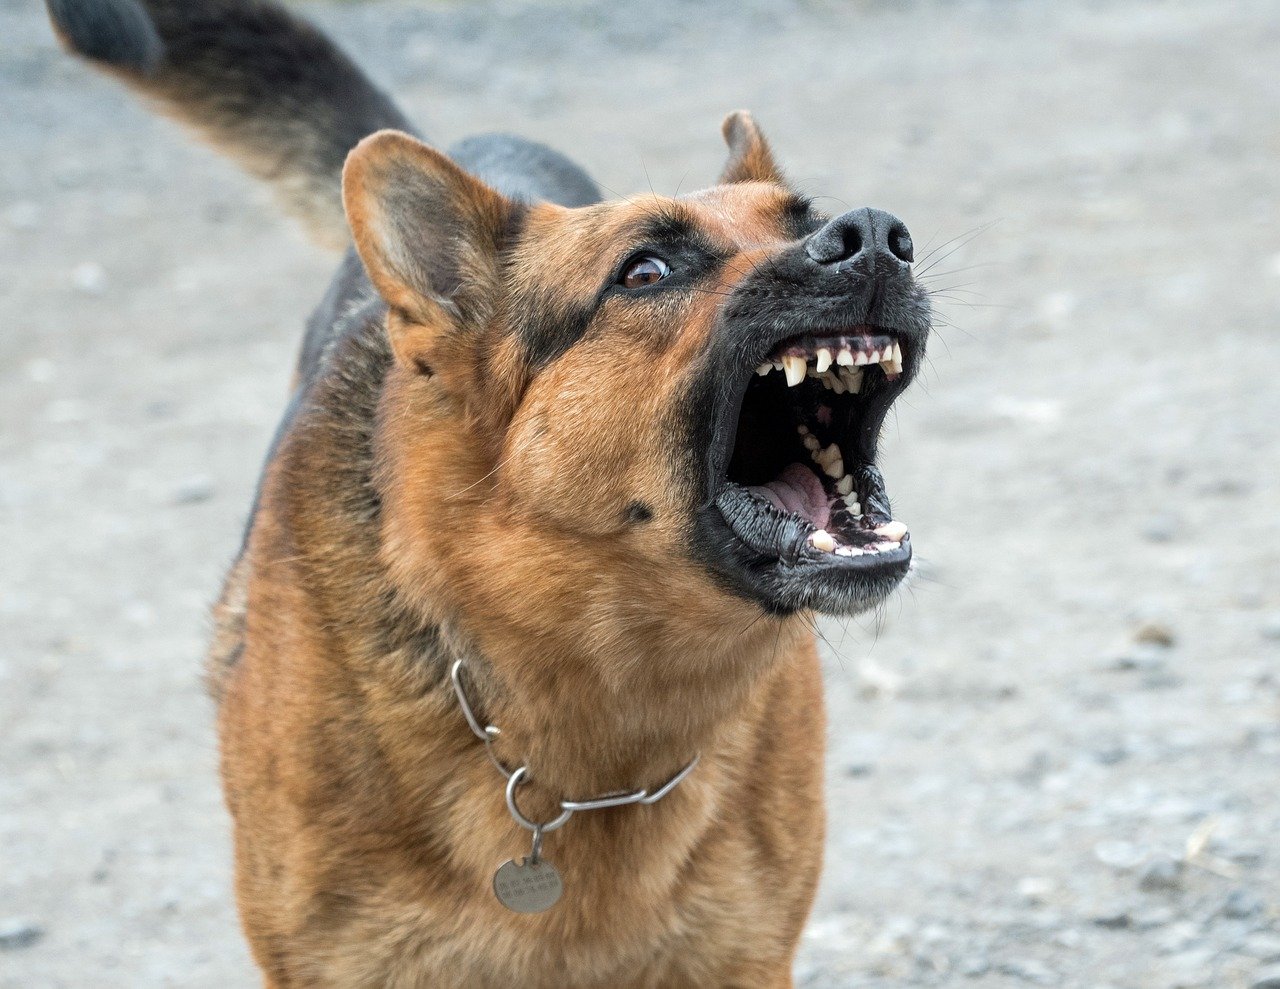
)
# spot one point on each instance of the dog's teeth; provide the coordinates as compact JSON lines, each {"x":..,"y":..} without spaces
{"x":851,"y":503}
{"x":897,"y":355}
{"x":824,"y":359}
{"x":845,"y":484}
{"x":852,"y":379}
{"x":862,"y":358}
{"x":823,"y":540}
{"x":826,"y":381}
{"x":892,"y":531}
{"x":802,"y":429}
{"x":794,"y":368}
{"x":764,"y":369}
{"x":845,"y":358}
{"x":833,"y":464}
{"x":777,"y":365}
{"x":811,"y":443}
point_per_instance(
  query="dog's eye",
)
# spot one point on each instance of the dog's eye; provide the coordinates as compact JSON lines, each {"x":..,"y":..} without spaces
{"x":644,"y":271}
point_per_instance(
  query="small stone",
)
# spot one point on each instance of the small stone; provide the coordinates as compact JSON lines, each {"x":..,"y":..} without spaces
{"x":1266,"y":979}
{"x":1111,"y":755}
{"x":90,"y":278}
{"x":193,"y":490}
{"x":1116,"y":919}
{"x":1160,"y":529}
{"x":1122,"y":855}
{"x":1241,"y":904}
{"x":17,"y":934}
{"x":857,"y":770}
{"x":1161,"y":875}
{"x":1154,"y":633}
{"x":1034,"y":889}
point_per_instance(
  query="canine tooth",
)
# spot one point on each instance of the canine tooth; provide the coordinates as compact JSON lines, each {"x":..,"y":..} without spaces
{"x":897,"y":355}
{"x":845,"y":484}
{"x":764,"y":369}
{"x":793,"y":367}
{"x":811,"y":443}
{"x":862,"y":358}
{"x":845,"y":357}
{"x":823,"y":540}
{"x":824,"y":359}
{"x":892,"y":531}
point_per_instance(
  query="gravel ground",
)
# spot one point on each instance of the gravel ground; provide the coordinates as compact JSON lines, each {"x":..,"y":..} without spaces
{"x":1053,"y":760}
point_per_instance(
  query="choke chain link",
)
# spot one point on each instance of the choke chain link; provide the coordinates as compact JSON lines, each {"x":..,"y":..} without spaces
{"x":516,"y":777}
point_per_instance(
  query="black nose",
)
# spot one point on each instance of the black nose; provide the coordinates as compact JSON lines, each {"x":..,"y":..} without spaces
{"x":858,"y":233}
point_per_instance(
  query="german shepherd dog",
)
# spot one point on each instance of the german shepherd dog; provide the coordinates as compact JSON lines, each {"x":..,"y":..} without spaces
{"x":560,"y":487}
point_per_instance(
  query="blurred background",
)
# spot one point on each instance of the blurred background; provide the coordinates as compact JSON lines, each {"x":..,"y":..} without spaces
{"x":1054,"y":759}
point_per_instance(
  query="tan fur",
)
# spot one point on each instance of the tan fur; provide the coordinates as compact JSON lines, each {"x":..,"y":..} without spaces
{"x":368,"y":819}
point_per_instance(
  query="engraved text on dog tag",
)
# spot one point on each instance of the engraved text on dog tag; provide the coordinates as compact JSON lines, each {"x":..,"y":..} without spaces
{"x":527,"y":887}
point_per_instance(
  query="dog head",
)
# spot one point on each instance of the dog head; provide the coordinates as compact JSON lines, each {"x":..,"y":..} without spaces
{"x":610,"y":415}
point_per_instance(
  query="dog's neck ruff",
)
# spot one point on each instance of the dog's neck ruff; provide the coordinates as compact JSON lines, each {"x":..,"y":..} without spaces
{"x":516,"y":777}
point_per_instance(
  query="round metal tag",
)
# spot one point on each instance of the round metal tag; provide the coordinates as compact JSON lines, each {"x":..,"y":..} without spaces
{"x":527,"y":887}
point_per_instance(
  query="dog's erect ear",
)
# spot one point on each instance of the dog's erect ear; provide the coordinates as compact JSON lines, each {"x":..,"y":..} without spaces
{"x":750,"y":159}
{"x":428,"y":233}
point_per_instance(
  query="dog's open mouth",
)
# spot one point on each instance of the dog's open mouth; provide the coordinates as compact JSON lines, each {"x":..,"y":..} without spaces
{"x":801,"y":490}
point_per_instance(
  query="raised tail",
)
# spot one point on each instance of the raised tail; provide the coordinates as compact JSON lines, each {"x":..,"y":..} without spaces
{"x":254,"y":80}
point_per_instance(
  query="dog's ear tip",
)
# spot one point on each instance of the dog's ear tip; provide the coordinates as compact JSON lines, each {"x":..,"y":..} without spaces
{"x":749,"y":156}
{"x":735,"y":124}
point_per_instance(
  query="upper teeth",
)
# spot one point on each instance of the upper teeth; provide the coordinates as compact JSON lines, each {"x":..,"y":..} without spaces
{"x":849,"y":356}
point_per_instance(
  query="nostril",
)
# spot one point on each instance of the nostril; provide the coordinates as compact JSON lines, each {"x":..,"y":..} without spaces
{"x":900,"y":243}
{"x":851,"y":242}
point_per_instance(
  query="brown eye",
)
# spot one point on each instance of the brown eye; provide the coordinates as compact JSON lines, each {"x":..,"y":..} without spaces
{"x":645,"y":271}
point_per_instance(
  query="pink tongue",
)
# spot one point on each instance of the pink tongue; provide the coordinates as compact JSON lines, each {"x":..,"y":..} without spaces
{"x":799,"y":491}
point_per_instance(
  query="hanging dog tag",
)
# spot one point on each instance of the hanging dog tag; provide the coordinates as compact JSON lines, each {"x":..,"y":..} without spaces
{"x":527,"y":887}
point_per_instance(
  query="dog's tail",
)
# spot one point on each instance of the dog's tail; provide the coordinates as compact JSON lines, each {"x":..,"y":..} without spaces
{"x":251,"y":78}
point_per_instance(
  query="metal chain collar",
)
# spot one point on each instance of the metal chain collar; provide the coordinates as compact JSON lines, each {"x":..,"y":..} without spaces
{"x":516,"y":777}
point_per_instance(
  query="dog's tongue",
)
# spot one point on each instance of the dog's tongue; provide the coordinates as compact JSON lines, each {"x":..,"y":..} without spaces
{"x":799,"y":491}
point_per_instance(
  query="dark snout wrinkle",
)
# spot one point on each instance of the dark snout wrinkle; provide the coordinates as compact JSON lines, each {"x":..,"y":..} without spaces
{"x":863,"y":235}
